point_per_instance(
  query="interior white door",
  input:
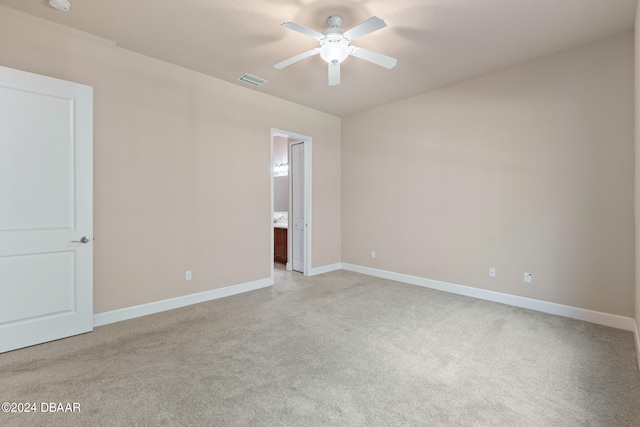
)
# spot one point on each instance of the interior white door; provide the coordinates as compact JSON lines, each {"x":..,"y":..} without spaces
{"x":46,"y":209}
{"x":297,"y":196}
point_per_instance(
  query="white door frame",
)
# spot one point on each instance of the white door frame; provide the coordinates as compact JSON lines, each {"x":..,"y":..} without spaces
{"x":307,"y":141}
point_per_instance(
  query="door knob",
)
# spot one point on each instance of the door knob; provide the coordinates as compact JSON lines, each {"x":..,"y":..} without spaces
{"x":83,"y":239}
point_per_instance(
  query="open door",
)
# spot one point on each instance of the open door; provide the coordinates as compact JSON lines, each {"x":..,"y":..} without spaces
{"x":46,"y":214}
{"x":297,"y":205}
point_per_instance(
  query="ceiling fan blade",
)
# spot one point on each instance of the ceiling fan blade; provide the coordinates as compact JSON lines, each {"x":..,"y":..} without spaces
{"x":375,"y":57}
{"x":304,"y":30}
{"x":369,"y":26}
{"x":294,"y":59}
{"x":334,"y":74}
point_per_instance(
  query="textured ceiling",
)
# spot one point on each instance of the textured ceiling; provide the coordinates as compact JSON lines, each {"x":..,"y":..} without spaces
{"x":436,"y":42}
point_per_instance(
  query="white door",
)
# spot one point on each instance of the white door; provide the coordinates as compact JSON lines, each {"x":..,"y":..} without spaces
{"x":46,"y":212}
{"x":297,"y":195}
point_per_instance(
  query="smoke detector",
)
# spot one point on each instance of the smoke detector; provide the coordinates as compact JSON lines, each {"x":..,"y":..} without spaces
{"x":62,"y":5}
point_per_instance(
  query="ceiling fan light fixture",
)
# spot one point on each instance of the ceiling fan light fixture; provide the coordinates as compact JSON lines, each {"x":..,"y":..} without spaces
{"x":334,"y":51}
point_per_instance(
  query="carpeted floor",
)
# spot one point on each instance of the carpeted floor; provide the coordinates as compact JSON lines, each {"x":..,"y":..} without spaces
{"x":336,"y":349}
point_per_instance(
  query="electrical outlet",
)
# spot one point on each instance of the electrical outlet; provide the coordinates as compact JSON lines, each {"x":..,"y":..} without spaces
{"x":527,"y":277}
{"x":373,"y":254}
{"x":188,"y":275}
{"x":492,"y":272}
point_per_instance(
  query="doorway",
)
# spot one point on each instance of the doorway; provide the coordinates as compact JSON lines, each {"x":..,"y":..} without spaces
{"x":298,"y":215}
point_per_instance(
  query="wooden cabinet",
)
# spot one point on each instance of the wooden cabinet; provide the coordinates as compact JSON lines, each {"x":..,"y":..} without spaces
{"x":280,"y":245}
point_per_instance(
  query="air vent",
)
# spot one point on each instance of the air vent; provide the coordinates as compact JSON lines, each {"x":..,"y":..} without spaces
{"x":252,"y":80}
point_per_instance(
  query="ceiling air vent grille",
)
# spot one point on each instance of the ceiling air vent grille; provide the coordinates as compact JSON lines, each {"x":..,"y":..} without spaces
{"x":252,"y":80}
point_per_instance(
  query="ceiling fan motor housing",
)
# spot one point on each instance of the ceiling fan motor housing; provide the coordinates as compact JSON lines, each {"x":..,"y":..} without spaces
{"x":62,"y":5}
{"x":335,"y":21}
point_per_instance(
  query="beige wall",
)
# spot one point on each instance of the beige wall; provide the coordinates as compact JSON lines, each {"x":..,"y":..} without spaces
{"x":526,"y":169}
{"x":280,"y":183}
{"x":182,"y":165}
{"x":280,"y":149}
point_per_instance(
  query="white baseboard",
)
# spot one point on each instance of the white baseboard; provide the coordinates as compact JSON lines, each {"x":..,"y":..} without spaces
{"x":105,"y":318}
{"x":606,"y":319}
{"x":325,"y":269}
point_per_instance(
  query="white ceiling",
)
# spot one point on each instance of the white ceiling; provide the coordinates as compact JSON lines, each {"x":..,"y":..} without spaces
{"x":436,"y":42}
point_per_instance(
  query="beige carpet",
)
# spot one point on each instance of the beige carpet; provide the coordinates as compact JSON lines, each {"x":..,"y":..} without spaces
{"x":337,"y":349}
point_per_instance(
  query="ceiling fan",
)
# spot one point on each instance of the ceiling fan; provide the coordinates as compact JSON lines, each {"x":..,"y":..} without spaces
{"x":334,"y":45}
